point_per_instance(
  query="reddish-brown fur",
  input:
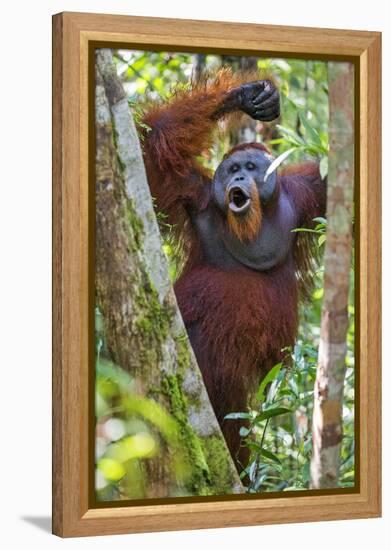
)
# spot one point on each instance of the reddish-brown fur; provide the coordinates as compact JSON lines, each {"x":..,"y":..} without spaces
{"x":249,"y":225}
{"x":239,"y":320}
{"x":244,"y":319}
{"x":244,"y":146}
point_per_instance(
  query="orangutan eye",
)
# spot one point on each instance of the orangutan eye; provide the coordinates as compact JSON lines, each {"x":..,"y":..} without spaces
{"x":250,"y":166}
{"x":234,"y":168}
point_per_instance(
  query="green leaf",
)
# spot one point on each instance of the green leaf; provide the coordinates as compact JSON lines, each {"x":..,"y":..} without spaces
{"x":269,"y":413}
{"x":320,"y":220}
{"x":320,"y":227}
{"x":253,"y":470}
{"x":291,"y":135}
{"x":261,"y":480}
{"x":321,"y":240}
{"x":134,"y":446}
{"x":324,"y":167}
{"x":237,"y":415}
{"x":108,"y":370}
{"x":286,"y":392}
{"x":304,"y":230}
{"x":270,"y":456}
{"x":253,"y":446}
{"x":112,"y":469}
{"x":271,"y":375}
{"x":276,"y":162}
{"x":312,"y":133}
{"x":276,"y":141}
{"x":293,"y":386}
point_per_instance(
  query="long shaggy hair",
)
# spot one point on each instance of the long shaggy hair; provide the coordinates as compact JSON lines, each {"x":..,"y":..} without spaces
{"x":243,"y":320}
{"x":247,"y":226}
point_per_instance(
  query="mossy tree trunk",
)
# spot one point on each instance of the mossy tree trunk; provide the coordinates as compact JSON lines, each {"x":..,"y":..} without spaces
{"x":327,"y":431}
{"x":144,"y":331}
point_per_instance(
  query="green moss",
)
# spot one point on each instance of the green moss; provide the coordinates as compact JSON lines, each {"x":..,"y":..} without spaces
{"x":183,"y":352}
{"x":115,"y":136}
{"x":215,"y":452}
{"x":210,"y":461}
{"x":199,"y":483}
{"x":136,"y":225}
{"x":154,"y":320}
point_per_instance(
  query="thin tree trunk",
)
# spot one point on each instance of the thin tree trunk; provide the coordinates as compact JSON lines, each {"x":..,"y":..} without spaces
{"x":327,"y":430}
{"x":144,"y":330}
{"x":199,"y":66}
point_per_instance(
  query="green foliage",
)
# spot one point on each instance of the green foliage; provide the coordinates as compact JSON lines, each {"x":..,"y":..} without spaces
{"x":303,"y":89}
{"x":319,"y":229}
{"x":171,"y":246}
{"x":154,"y":73}
{"x":130,"y":430}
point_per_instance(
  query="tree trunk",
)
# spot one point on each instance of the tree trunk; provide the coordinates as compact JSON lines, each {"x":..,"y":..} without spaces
{"x":199,"y":66}
{"x":143,"y":327}
{"x":327,"y":430}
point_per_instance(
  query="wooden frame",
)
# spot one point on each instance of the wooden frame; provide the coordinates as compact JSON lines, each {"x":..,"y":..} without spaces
{"x":73,"y":34}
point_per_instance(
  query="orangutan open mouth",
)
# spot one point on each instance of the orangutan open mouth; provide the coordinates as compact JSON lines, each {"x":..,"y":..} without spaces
{"x":239,"y":201}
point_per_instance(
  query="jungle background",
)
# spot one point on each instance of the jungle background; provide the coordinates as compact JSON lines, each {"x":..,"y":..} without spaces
{"x":129,"y":429}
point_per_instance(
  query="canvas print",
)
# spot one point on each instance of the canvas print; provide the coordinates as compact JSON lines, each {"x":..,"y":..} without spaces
{"x":224,"y":276}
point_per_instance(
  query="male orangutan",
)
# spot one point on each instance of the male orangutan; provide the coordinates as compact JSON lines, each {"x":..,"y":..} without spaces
{"x":238,"y":292}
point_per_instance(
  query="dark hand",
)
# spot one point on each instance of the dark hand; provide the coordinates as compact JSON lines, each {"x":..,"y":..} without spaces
{"x":260,"y":100}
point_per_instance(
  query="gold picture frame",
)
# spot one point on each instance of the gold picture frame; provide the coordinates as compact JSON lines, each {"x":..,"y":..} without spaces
{"x":75,"y":36}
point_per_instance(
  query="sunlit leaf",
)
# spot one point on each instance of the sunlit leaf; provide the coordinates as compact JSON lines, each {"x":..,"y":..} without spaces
{"x":321,"y":240}
{"x":271,"y":375}
{"x":270,"y":455}
{"x":111,"y":469}
{"x":291,"y":135}
{"x":276,"y":163}
{"x":237,"y":415}
{"x":312,"y":133}
{"x":141,"y":445}
{"x":324,"y":167}
{"x":269,"y":413}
